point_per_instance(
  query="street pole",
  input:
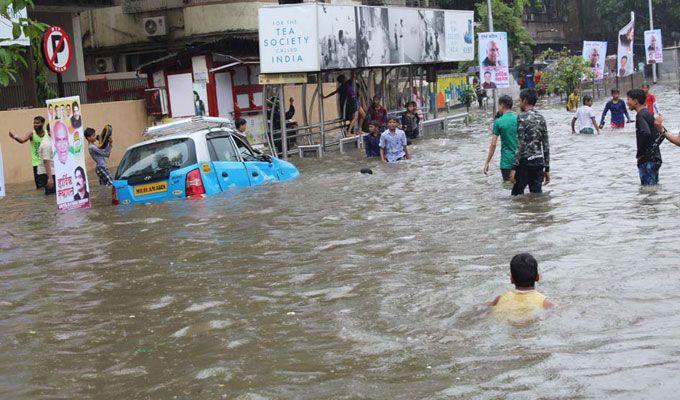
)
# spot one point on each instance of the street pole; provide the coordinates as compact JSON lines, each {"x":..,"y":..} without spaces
{"x":490,"y":12}
{"x":651,"y":27}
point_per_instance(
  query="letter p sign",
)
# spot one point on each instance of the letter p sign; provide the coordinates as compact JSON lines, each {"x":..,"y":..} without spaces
{"x":57,"y":49}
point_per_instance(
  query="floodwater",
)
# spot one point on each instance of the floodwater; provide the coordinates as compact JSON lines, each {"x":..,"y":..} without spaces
{"x":345,"y":286}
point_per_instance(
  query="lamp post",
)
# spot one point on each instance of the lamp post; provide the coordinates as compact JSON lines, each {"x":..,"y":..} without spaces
{"x":490,"y":12}
{"x":651,"y":27}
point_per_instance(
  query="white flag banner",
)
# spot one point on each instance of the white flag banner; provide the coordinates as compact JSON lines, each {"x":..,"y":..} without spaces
{"x":493,"y":60}
{"x":2,"y":177}
{"x":625,"y":50}
{"x":653,"y":46}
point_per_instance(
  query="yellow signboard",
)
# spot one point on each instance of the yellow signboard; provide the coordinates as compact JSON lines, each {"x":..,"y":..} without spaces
{"x":447,"y":89}
{"x":281,"y":79}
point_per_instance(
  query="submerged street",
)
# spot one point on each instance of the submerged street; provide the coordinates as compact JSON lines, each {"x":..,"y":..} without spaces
{"x":340,"y":285}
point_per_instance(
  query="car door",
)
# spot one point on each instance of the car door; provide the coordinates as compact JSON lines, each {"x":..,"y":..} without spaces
{"x":260,"y":170}
{"x":229,"y":169}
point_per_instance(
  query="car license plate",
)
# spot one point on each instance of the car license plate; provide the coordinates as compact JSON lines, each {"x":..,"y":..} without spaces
{"x":151,"y":188}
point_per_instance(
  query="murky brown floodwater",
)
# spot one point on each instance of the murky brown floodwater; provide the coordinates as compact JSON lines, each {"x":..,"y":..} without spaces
{"x":344,"y":286}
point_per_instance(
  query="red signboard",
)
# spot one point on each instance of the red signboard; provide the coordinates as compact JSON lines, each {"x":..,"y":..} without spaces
{"x":57,"y":49}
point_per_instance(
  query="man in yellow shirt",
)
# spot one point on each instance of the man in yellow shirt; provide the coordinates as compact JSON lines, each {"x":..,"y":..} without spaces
{"x":524,"y":299}
{"x":572,"y":103}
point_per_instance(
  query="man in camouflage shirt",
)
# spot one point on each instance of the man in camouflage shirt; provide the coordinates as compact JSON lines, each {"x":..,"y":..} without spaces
{"x":532,"y":159}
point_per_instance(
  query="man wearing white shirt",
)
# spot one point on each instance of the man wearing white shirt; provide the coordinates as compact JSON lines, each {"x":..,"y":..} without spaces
{"x":586,"y":118}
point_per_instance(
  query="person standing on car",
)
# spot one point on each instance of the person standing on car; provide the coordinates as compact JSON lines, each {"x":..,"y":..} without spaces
{"x":99,"y":156}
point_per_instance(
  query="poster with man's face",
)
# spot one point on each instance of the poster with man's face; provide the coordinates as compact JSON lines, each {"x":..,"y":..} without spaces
{"x":625,"y":48}
{"x":653,"y":46}
{"x":493,"y":60}
{"x":595,"y":53}
{"x":68,"y":147}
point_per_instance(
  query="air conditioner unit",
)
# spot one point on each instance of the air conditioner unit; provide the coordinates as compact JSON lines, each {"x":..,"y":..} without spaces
{"x":154,"y":26}
{"x":103,"y":64}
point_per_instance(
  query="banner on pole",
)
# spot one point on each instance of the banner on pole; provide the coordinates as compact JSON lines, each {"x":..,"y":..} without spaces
{"x":625,"y":49}
{"x":595,"y":53}
{"x":2,"y":177}
{"x":493,"y":60}
{"x":68,"y":148}
{"x":653,"y":46}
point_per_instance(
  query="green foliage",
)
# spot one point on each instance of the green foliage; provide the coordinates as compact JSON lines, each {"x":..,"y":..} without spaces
{"x":44,"y":90}
{"x":566,"y":72}
{"x":616,"y":13}
{"x":466,"y":95}
{"x":508,"y":18}
{"x":13,"y":57}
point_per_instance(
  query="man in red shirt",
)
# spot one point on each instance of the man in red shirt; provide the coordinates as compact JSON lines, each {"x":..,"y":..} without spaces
{"x":650,"y":102}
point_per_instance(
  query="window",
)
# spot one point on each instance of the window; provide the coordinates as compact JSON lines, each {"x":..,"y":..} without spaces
{"x":245,"y":151}
{"x":221,"y":149}
{"x":157,"y":158}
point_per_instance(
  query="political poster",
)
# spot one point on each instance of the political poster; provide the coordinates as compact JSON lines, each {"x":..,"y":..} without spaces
{"x":337,"y":36}
{"x":288,"y":39}
{"x":653,"y":46}
{"x":2,"y":177}
{"x":459,"y":34}
{"x":68,"y":149}
{"x":595,"y":53}
{"x":493,"y":60}
{"x":625,"y":48}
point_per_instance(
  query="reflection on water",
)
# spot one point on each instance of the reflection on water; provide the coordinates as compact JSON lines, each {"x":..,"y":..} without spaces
{"x":342,"y":285}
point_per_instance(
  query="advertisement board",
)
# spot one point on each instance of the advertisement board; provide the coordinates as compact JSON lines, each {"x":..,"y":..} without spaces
{"x":625,"y":48}
{"x":653,"y":46}
{"x":493,"y":60}
{"x":2,"y":177}
{"x":595,"y":53}
{"x":288,"y":39}
{"x":448,"y":89}
{"x":68,"y":149}
{"x":459,"y":33}
{"x":6,"y":30}
{"x":314,"y":37}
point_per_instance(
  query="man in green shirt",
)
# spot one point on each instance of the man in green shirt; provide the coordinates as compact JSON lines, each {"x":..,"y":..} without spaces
{"x":506,"y":127}
{"x":35,"y":137}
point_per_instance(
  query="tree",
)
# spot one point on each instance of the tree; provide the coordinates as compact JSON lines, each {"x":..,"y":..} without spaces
{"x":508,"y":18}
{"x":13,"y":57}
{"x":565,"y":72}
{"x":616,"y":13}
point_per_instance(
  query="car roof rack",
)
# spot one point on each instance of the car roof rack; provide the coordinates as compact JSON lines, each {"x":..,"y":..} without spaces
{"x":188,"y":125}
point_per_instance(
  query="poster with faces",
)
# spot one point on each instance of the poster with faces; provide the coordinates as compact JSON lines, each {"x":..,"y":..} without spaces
{"x":595,"y":53}
{"x":68,"y":153}
{"x":625,"y":48}
{"x":493,"y":60}
{"x":653,"y":46}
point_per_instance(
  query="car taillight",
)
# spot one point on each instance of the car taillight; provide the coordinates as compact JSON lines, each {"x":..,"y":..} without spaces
{"x":114,"y":197}
{"x":194,"y":184}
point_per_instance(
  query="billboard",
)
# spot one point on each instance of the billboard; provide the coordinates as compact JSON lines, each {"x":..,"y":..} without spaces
{"x":337,"y":36}
{"x":2,"y":177}
{"x":314,"y":37}
{"x":6,"y":35}
{"x":653,"y":46}
{"x":625,"y":48}
{"x":288,"y":39}
{"x":68,"y":147}
{"x":595,"y":53}
{"x":459,"y":33}
{"x":493,"y":60}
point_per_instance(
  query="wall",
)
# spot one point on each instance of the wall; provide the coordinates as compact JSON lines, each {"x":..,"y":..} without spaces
{"x":128,"y":119}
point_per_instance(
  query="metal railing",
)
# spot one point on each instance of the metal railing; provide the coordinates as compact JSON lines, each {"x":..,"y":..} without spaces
{"x":90,"y":91}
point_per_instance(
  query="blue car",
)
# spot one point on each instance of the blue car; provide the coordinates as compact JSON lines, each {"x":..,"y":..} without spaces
{"x":193,"y":158}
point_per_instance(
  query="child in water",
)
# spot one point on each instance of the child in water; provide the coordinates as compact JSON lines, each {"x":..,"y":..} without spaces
{"x":524,"y":299}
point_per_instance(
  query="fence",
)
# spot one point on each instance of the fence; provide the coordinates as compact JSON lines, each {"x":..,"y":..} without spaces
{"x":91,"y":91}
{"x":602,"y":88}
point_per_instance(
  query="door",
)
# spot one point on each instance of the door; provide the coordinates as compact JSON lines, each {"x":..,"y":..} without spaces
{"x":258,"y":168}
{"x":230,"y":171}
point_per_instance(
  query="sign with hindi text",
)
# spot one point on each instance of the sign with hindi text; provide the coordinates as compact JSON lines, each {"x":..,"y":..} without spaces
{"x":625,"y":48}
{"x":68,"y":149}
{"x":493,"y":60}
{"x":653,"y":46}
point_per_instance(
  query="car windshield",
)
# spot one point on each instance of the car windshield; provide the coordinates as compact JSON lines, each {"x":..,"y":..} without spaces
{"x":157,"y":157}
